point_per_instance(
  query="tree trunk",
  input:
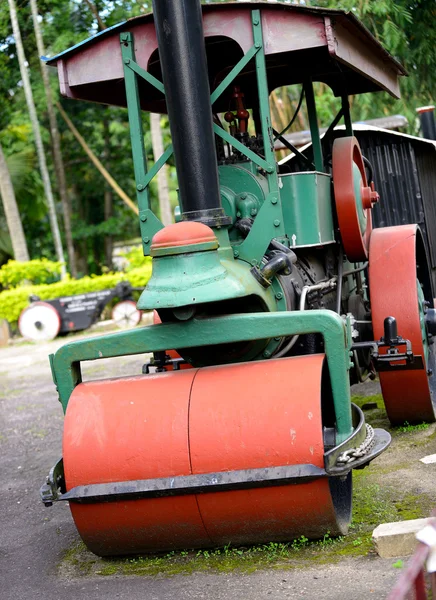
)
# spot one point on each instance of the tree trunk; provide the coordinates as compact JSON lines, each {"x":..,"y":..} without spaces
{"x":162,"y":177}
{"x":37,"y":135}
{"x":13,"y":218}
{"x":57,"y":154}
{"x":108,"y":196}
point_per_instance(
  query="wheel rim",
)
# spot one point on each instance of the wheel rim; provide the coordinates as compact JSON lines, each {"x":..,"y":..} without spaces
{"x":193,"y":422}
{"x":125,"y":314}
{"x":39,"y":322}
{"x":395,"y":291}
{"x":350,"y":188}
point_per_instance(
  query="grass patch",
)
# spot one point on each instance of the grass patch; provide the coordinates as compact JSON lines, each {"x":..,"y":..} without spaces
{"x":407,"y":428}
{"x":373,"y":504}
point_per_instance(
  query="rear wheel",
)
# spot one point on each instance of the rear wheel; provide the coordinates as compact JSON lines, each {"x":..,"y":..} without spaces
{"x":213,"y":419}
{"x":125,"y":314}
{"x":400,"y":287}
{"x":39,"y":322}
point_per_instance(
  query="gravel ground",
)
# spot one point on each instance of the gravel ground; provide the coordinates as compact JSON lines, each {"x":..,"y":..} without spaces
{"x":34,"y":539}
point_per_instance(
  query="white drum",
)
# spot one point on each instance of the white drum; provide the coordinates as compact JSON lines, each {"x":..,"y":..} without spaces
{"x":39,"y":322}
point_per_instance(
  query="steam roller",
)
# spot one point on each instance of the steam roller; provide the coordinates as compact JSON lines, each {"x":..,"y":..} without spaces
{"x":272,"y":292}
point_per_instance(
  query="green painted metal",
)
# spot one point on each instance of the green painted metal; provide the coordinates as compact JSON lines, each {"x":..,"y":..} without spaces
{"x":243,"y":191}
{"x":158,"y":165}
{"x":225,"y":135}
{"x":233,"y":74}
{"x":229,"y":329}
{"x":198,"y":278}
{"x":313,"y":124}
{"x":264,"y":110}
{"x":308,"y":209}
{"x":347,"y":116}
{"x":144,"y":74}
{"x":357,"y":185}
{"x":148,"y":222}
{"x":268,"y":225}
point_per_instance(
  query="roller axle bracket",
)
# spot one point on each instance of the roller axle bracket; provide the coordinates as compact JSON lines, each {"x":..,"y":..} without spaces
{"x":393,"y":360}
{"x":161,"y":361}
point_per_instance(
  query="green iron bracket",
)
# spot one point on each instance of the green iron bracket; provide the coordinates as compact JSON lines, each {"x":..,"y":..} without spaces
{"x":256,"y":243}
{"x":209,"y":332}
{"x":148,"y":222}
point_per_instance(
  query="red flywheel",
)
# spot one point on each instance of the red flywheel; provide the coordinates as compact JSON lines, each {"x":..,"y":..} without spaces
{"x":353,"y":198}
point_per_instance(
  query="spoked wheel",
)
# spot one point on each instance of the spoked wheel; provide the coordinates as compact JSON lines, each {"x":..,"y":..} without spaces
{"x":39,"y":322}
{"x":125,"y":314}
{"x":400,"y":287}
{"x":209,"y":420}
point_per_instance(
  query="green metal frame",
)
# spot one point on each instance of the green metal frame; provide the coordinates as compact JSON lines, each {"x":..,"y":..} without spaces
{"x":254,"y":247}
{"x":66,"y":370}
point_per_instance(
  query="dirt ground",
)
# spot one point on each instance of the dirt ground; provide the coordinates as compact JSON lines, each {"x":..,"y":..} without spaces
{"x":40,"y":553}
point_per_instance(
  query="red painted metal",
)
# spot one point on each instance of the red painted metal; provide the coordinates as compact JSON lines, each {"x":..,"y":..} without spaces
{"x":197,"y":421}
{"x":394,"y":292}
{"x":347,"y":155}
{"x":184,"y":233}
{"x":411,"y":584}
{"x":94,"y":70}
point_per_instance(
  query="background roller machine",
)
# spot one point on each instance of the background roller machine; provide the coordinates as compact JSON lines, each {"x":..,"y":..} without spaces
{"x":272,"y":288}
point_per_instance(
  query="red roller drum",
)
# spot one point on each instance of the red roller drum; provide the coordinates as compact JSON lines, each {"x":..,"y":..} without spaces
{"x":393,"y":281}
{"x":249,"y":415}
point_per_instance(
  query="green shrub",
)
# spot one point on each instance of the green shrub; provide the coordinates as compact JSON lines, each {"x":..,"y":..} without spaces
{"x":41,"y":270}
{"x":12,"y":302}
{"x":136,"y":258}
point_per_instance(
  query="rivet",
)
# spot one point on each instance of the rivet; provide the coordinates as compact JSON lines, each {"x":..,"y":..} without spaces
{"x":127,"y":61}
{"x":235,"y":253}
{"x":254,"y":262}
{"x":267,"y":354}
{"x":139,"y":187}
{"x":146,"y":240}
{"x":243,"y":195}
{"x":253,"y":212}
{"x":277,"y":339}
{"x":257,"y":45}
{"x":124,"y":37}
{"x":270,"y":170}
{"x":255,"y":21}
{"x":276,"y":223}
{"x":274,"y":199}
{"x":143,"y":218}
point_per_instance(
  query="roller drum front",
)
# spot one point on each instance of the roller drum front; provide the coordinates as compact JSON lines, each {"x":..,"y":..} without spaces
{"x":214,"y":419}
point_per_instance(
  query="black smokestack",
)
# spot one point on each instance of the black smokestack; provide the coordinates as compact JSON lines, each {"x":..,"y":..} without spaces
{"x":182,"y":52}
{"x":428,"y":125}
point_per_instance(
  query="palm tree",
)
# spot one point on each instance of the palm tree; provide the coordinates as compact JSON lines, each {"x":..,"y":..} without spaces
{"x":57,"y":154}
{"x":13,"y":218}
{"x":37,"y":135}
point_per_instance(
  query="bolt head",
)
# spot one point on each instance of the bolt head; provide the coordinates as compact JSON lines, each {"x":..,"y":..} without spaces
{"x":274,"y":199}
{"x":276,"y":223}
{"x":253,"y":212}
{"x":267,"y":354}
{"x":146,"y":240}
{"x":139,"y":187}
{"x":143,"y":218}
{"x":127,"y":61}
{"x":236,"y":253}
{"x":279,"y":295}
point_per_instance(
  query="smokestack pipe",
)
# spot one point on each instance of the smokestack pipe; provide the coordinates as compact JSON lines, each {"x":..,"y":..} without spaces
{"x":182,"y":53}
{"x":428,"y":125}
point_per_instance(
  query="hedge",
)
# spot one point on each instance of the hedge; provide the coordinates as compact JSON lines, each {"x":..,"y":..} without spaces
{"x":12,"y":302}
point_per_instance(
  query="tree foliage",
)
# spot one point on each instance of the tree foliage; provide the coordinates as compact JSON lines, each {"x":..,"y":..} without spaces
{"x":405,"y":28}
